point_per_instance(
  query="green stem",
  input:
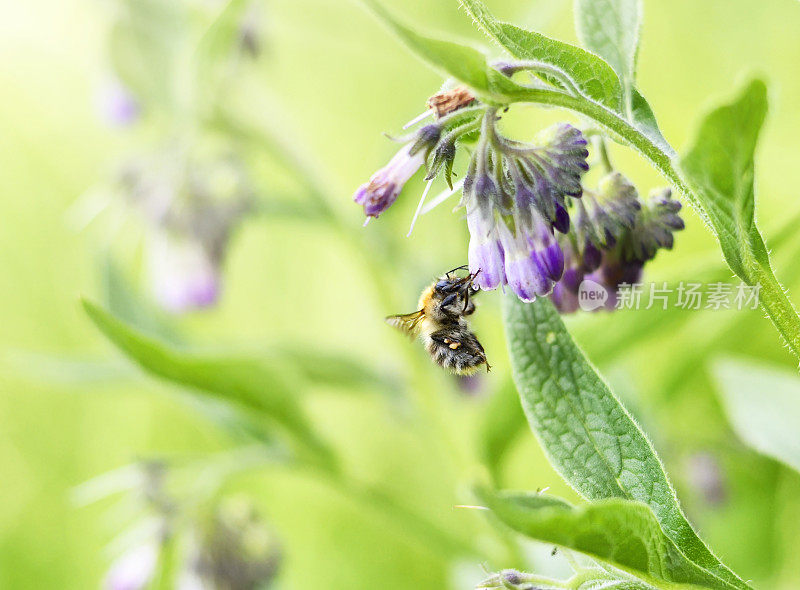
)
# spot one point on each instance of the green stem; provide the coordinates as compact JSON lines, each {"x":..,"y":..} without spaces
{"x":602,"y":152}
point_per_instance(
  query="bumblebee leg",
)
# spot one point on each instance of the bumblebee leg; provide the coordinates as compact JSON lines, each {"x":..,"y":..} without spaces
{"x":449,"y":300}
{"x":462,"y":267}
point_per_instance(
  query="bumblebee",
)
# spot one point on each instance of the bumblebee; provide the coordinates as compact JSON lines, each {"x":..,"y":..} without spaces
{"x":441,"y":323}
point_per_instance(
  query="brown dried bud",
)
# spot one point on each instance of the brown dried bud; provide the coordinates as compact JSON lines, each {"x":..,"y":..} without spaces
{"x":447,"y":101}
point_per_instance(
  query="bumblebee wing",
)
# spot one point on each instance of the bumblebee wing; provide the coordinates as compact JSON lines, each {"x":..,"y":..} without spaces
{"x":407,"y":323}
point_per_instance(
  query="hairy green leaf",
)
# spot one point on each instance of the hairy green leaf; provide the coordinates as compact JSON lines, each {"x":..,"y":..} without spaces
{"x":247,"y":383}
{"x":588,"y":436}
{"x":593,"y":77}
{"x":763,"y":405}
{"x":624,"y":533}
{"x":721,"y":171}
{"x":610,"y":28}
{"x":720,"y":166}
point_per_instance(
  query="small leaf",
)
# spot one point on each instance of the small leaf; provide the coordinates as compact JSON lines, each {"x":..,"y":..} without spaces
{"x":590,"y":439}
{"x":763,"y":405}
{"x":591,"y":75}
{"x":644,"y":119}
{"x":246,"y":383}
{"x":610,"y":28}
{"x":622,"y":532}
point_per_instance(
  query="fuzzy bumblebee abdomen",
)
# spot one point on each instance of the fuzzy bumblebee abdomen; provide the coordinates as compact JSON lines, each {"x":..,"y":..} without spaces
{"x":456,"y":350}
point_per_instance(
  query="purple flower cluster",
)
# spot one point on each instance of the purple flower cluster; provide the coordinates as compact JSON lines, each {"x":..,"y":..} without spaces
{"x":615,"y":235}
{"x":531,"y":224}
{"x":515,"y":196}
{"x":191,"y":209}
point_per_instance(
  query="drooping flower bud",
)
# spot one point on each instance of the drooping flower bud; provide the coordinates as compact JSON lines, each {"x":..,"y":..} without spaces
{"x":380,"y":193}
{"x":237,"y":550}
{"x":654,"y":227}
{"x":604,"y":214}
{"x":615,"y":235}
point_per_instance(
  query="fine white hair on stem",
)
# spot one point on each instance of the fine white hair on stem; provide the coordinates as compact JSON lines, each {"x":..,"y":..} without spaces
{"x":442,"y":197}
{"x":366,"y":221}
{"x":419,"y":206}
{"x":424,"y":115}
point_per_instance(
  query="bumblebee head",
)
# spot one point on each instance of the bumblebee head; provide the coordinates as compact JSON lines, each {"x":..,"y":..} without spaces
{"x":452,"y":283}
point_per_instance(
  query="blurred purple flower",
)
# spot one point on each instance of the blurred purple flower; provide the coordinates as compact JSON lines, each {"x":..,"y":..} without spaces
{"x":470,"y":385}
{"x":116,"y":104}
{"x":191,"y":207}
{"x":134,"y":569}
{"x":704,"y":474}
{"x":184,"y":275}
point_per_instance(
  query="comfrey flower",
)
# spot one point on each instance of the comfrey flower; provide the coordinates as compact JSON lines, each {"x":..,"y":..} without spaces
{"x":615,"y":234}
{"x":531,"y":224}
{"x":381,"y":191}
{"x":515,"y":193}
{"x":433,"y":145}
{"x":515,"y":198}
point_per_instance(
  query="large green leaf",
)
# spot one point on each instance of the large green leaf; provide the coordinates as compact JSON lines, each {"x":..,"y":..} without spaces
{"x":720,"y":170}
{"x":624,"y":533}
{"x":763,"y":405}
{"x":588,"y":436}
{"x":593,"y":77}
{"x":247,"y":383}
{"x":720,"y":166}
{"x":610,"y":28}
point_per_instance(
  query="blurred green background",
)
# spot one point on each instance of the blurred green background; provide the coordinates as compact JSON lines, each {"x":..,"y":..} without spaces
{"x":329,"y":80}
